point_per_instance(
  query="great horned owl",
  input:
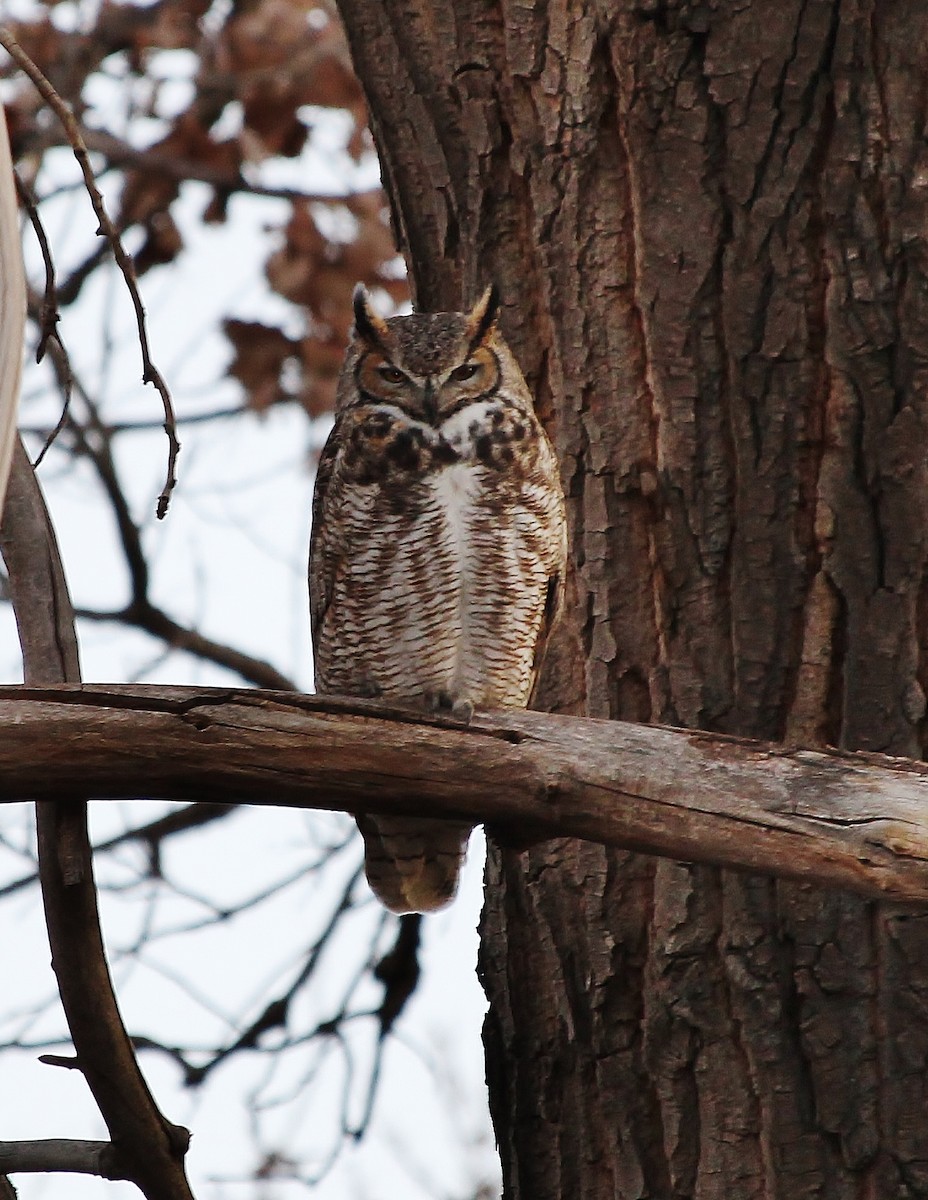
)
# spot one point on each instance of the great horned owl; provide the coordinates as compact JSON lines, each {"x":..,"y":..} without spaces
{"x":438,"y":548}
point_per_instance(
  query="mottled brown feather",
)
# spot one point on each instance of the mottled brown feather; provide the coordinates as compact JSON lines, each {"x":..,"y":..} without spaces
{"x":438,"y":549}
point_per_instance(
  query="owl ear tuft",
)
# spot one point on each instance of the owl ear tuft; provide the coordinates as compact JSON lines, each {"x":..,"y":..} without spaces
{"x":368,"y":324}
{"x":482,"y":317}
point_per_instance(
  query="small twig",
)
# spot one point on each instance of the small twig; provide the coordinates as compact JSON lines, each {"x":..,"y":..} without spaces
{"x":112,"y":428}
{"x":151,"y":835}
{"x":68,"y":1061}
{"x":106,"y":228}
{"x":143,"y":615}
{"x":37,"y":313}
{"x":49,"y":314}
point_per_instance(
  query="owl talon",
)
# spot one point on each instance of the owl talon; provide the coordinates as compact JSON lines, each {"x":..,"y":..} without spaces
{"x":463,"y":710}
{"x":460,"y":707}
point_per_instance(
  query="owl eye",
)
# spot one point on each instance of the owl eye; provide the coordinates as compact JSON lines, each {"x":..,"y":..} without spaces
{"x":467,"y":371}
{"x":391,"y":375}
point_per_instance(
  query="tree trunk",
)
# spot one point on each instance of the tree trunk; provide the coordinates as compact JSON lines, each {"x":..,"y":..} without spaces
{"x":709,"y":223}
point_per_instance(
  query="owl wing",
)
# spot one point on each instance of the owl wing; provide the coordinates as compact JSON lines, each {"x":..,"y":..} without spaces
{"x":554,"y":584}
{"x":412,"y":863}
{"x":323,"y":547}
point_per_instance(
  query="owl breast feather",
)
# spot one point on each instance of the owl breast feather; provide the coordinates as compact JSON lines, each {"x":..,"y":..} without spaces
{"x":447,"y":541}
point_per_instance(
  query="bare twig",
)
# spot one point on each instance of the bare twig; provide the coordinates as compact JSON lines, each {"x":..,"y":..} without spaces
{"x":275,"y":1013}
{"x":94,"y":442}
{"x":59,"y":1154}
{"x":120,"y":153}
{"x":150,"y":373}
{"x":142,"y":614}
{"x":152,"y":835}
{"x":113,"y":428}
{"x":47,"y":315}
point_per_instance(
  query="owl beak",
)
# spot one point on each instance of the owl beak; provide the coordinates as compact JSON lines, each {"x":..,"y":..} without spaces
{"x":429,"y":401}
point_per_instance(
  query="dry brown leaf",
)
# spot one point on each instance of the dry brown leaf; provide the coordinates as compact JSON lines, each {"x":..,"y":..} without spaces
{"x":260,"y":354}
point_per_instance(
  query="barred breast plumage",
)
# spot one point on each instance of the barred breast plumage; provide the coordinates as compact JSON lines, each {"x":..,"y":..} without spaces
{"x":438,"y":548}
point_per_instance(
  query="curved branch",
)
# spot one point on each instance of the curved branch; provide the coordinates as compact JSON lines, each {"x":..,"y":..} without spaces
{"x":841,"y":820}
{"x":151,"y":835}
{"x":119,"y":153}
{"x":141,"y":614}
{"x":107,"y":229}
{"x":146,"y":1148}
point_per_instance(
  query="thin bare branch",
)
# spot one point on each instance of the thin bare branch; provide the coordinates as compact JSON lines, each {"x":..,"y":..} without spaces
{"x":275,"y":1012}
{"x":94,"y":441}
{"x":46,"y":314}
{"x":49,"y":315}
{"x":41,"y":603}
{"x":120,"y":153}
{"x":148,"y":617}
{"x":233,"y":412}
{"x":152,"y":835}
{"x":150,"y":373}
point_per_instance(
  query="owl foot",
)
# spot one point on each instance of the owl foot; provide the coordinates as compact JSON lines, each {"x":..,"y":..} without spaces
{"x":460,"y":707}
{"x":463,"y":710}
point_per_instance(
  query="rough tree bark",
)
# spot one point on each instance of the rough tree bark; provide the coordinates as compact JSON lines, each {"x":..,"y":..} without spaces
{"x":709,"y":223}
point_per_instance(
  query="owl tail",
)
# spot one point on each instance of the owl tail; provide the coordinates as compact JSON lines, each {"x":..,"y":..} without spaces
{"x":413,"y":863}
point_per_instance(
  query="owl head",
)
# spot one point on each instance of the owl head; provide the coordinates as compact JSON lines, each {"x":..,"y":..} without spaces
{"x":430,"y":365}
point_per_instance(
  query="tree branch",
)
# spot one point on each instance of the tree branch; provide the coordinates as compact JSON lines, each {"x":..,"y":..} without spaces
{"x":841,"y":820}
{"x":59,"y":1154}
{"x":146,"y":1148}
{"x":150,"y":373}
{"x":12,"y":308}
{"x":119,"y":153}
{"x":142,"y":614}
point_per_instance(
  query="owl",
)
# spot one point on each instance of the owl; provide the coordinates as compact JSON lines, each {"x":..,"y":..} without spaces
{"x":438,"y":549}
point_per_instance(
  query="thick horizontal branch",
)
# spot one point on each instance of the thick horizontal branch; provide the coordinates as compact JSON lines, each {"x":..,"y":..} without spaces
{"x":854,"y":821}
